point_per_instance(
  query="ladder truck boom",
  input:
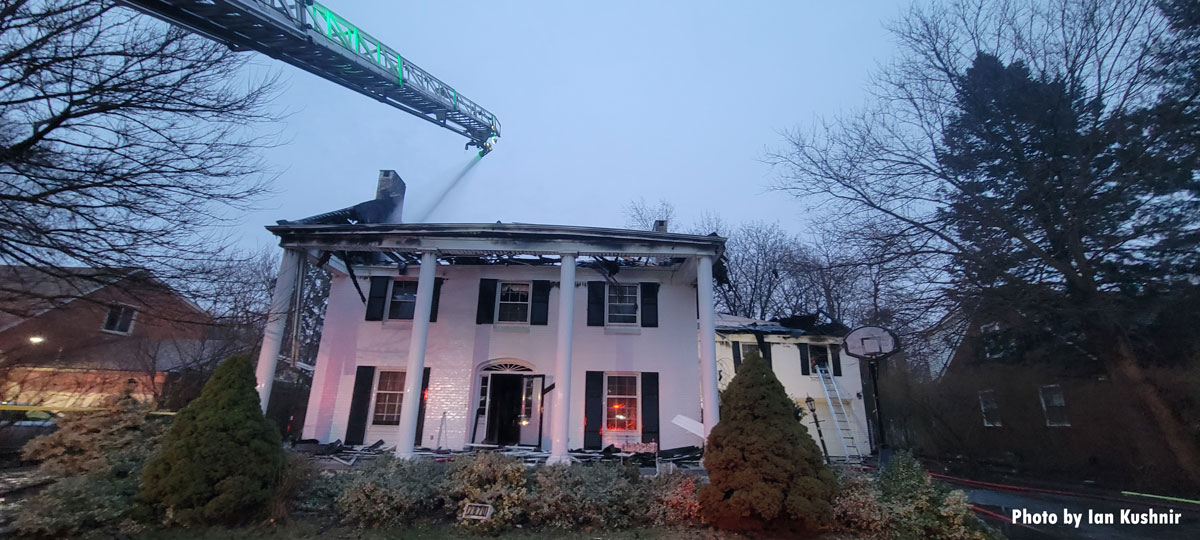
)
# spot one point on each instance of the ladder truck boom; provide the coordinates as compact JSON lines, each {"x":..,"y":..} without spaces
{"x":310,"y":36}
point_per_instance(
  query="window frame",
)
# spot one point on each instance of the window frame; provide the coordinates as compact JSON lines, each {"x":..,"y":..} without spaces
{"x":995,"y":420}
{"x":375,"y":396}
{"x":528,"y":302}
{"x":132,"y":319}
{"x":1066,"y":421}
{"x":391,"y":293}
{"x":637,"y":397}
{"x":637,"y":305}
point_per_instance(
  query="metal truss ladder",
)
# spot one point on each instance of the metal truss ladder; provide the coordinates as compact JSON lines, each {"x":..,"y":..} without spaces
{"x":842,"y":420}
{"x":310,"y":36}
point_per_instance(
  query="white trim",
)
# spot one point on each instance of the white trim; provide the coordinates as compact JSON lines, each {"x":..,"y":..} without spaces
{"x":387,"y":300}
{"x":528,"y":303}
{"x":375,"y":396}
{"x":637,"y":397}
{"x":637,"y":304}
{"x":1045,"y":412}
{"x":132,"y":319}
{"x":983,"y":409}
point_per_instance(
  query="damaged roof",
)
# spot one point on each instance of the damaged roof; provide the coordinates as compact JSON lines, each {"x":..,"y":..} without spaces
{"x":494,"y":238}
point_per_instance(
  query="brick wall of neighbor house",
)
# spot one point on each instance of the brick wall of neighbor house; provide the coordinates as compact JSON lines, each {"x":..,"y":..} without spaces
{"x":73,"y":339}
{"x":785,"y":362}
{"x":458,"y":347}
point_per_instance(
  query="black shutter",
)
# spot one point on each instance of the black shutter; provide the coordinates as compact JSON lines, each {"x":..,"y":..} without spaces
{"x":593,"y":409}
{"x":649,"y":406}
{"x":649,"y":305}
{"x":421,"y":408}
{"x":539,"y":311}
{"x":737,"y":356}
{"x":360,"y":403}
{"x":437,"y":296}
{"x":804,"y":362}
{"x":836,"y":358}
{"x":595,"y":303}
{"x":377,"y":297}
{"x":486,"y":310}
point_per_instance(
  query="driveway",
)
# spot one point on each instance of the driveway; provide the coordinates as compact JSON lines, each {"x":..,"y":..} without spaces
{"x":1003,"y":502}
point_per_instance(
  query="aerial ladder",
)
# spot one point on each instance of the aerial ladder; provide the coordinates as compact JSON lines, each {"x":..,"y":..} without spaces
{"x":310,"y":36}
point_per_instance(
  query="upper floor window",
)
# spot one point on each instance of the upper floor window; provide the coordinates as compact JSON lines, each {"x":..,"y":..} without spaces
{"x":621,"y":402}
{"x":389,"y":395}
{"x":989,"y":408}
{"x":622,"y":305}
{"x":1054,"y":405}
{"x":514,"y":302}
{"x":119,"y":319}
{"x":403,"y":300}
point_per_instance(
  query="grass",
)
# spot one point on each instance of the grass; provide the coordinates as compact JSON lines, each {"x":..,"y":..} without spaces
{"x":314,"y":530}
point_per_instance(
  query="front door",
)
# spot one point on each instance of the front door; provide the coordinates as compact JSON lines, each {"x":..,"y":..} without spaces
{"x":504,"y":409}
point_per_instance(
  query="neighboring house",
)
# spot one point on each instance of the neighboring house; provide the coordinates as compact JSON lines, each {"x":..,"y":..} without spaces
{"x":1032,"y":400}
{"x":450,"y":335}
{"x":71,"y":339}
{"x":795,"y":355}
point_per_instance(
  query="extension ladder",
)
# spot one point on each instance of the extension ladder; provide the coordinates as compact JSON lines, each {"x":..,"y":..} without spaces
{"x":843,"y":421}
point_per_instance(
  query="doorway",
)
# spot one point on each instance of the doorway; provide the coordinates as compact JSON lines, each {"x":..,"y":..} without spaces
{"x":504,"y":407}
{"x":509,"y":410}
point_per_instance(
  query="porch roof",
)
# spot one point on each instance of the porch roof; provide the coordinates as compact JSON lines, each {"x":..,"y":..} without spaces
{"x":471,"y":239}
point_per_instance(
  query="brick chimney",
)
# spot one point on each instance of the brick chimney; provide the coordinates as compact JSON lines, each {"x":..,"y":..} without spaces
{"x":392,"y":187}
{"x":660,"y":225}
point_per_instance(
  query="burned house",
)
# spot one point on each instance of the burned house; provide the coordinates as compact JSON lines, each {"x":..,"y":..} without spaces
{"x":443,"y":335}
{"x":808,"y":360}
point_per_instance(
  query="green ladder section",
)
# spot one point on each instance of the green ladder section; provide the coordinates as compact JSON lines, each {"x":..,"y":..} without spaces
{"x":310,"y":36}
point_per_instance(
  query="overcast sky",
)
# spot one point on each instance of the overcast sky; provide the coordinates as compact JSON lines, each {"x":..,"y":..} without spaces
{"x":600,"y":103}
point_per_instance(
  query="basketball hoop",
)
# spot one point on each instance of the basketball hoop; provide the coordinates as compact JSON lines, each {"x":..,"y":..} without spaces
{"x":871,"y":343}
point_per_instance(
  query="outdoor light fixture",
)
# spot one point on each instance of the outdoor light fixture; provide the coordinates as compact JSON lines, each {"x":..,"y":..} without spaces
{"x":36,"y":339}
{"x":812,"y":407}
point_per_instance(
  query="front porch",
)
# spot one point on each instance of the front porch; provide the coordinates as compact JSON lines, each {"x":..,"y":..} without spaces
{"x":508,"y":400}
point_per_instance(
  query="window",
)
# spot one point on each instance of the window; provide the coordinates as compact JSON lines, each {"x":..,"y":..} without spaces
{"x":1054,"y":405}
{"x":621,"y":403}
{"x":119,"y":319}
{"x":989,"y":408}
{"x":403,"y":301}
{"x":622,"y":304}
{"x":514,"y":303}
{"x":389,"y":395}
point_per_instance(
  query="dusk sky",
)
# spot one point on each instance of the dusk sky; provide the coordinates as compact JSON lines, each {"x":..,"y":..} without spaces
{"x":599,"y":104}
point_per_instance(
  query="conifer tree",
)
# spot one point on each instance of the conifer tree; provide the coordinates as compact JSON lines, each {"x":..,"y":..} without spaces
{"x":221,"y":460}
{"x":764,"y":468}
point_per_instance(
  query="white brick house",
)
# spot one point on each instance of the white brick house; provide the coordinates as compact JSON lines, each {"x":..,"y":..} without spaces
{"x":794,"y":355}
{"x":553,"y":336}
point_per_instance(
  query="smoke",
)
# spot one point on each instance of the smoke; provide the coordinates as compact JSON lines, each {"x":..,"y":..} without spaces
{"x":457,"y":179}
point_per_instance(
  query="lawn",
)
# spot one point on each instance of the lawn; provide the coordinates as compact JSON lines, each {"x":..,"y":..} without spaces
{"x":312,"y":530}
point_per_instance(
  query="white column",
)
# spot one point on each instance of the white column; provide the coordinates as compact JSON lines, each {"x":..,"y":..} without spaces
{"x":281,"y":299}
{"x":410,"y":409}
{"x":708,"y":343}
{"x":560,"y":418}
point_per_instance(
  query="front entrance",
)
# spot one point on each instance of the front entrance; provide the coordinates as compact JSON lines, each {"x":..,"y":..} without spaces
{"x":504,"y":404}
{"x":510,"y":408}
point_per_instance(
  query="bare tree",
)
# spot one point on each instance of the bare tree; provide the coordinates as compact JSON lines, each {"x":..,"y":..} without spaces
{"x":758,"y":257}
{"x":641,"y":215}
{"x":918,"y":178}
{"x":124,"y":141}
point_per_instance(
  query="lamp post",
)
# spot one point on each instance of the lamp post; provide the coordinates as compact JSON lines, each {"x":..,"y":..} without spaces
{"x":812,"y":408}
